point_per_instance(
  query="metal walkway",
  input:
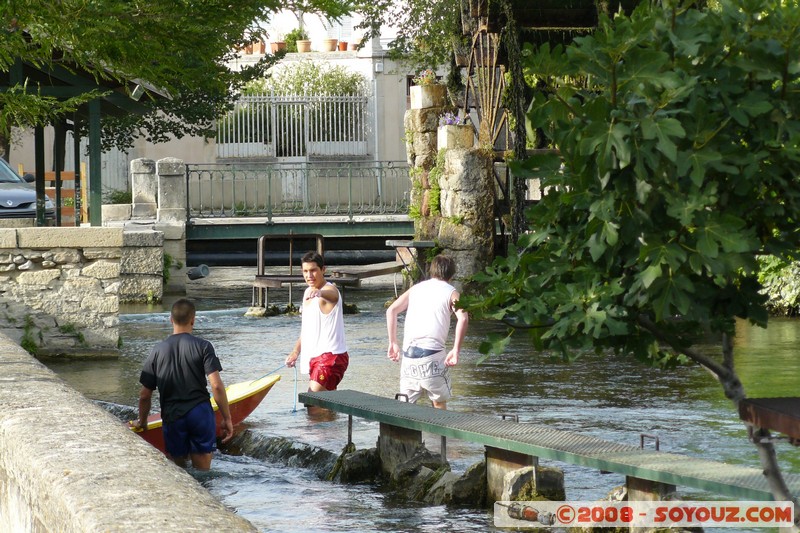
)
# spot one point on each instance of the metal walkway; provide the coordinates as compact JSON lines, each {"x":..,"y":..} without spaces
{"x":546,"y":443}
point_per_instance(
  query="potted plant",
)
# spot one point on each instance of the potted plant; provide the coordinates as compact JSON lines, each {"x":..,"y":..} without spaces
{"x":303,"y":45}
{"x":454,"y":132}
{"x":427,"y":91}
{"x":329,"y":45}
{"x":342,"y":46}
{"x":278,"y":45}
{"x":297,"y":34}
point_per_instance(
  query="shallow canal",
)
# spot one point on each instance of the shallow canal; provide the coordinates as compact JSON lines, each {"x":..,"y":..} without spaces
{"x":602,"y":396}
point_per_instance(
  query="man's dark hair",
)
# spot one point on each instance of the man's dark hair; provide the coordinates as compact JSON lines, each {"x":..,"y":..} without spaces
{"x":183,"y":312}
{"x":313,"y":257}
{"x":442,"y":267}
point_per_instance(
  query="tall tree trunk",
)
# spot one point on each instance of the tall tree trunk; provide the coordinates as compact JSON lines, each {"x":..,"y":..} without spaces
{"x":516,"y":90}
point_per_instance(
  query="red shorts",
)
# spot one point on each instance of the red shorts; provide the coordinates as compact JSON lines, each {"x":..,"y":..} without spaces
{"x":328,"y":369}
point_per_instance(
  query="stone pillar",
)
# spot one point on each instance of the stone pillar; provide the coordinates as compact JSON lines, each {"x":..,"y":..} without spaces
{"x":452,"y":194}
{"x":141,"y":266}
{"x":397,"y":445}
{"x":647,"y":491}
{"x":171,"y":190}
{"x":421,"y":130}
{"x":498,"y":464}
{"x":467,"y":199}
{"x":171,"y":219}
{"x":144,"y":188}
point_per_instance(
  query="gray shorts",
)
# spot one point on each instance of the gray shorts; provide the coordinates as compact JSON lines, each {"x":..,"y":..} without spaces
{"x":428,"y":374}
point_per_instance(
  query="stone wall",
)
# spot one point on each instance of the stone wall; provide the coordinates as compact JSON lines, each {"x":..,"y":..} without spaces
{"x":60,"y":287}
{"x":452,"y":194}
{"x":67,"y":465}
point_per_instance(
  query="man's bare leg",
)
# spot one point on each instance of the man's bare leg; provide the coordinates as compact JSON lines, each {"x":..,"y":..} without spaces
{"x":320,"y":414}
{"x":201,"y":461}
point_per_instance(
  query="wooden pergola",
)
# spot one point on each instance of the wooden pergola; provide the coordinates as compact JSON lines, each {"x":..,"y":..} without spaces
{"x":62,"y":82}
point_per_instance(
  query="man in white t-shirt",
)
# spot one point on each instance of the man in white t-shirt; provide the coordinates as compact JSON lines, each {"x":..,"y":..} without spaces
{"x":321,"y":347}
{"x":428,"y":306}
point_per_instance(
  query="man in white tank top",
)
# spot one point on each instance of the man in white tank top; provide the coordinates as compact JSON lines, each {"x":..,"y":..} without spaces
{"x":321,"y":347}
{"x":429,"y":306}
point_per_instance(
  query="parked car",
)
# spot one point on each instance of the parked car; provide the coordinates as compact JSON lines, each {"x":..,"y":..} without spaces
{"x":18,"y":197}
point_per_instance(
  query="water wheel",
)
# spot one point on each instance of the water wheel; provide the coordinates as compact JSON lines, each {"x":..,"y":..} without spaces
{"x":485,"y":85}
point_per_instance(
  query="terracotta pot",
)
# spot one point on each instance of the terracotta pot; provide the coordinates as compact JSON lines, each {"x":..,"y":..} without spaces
{"x":329,"y":45}
{"x":342,"y":46}
{"x":277,"y":46}
{"x":353,"y":47}
{"x":260,"y":47}
{"x":303,"y":46}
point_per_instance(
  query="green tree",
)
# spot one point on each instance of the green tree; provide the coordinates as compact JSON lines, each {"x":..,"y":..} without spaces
{"x":678,"y":153}
{"x":180,"y":47}
{"x":426,"y":31}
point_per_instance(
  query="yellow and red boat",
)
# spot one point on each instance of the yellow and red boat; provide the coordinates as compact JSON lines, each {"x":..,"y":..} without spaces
{"x":243,"y":398}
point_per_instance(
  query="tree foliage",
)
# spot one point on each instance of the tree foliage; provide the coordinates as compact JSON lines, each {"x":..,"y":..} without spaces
{"x":426,"y":31}
{"x":678,"y":137}
{"x":677,"y":166}
{"x":178,"y":47}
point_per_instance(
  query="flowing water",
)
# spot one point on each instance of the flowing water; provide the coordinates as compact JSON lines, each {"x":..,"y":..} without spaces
{"x":603,"y":396}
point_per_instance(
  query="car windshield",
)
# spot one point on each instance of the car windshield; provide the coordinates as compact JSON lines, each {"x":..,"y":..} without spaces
{"x":7,"y":175}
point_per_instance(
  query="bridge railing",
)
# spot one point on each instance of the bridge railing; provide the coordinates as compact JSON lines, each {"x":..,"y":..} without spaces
{"x":297,"y":189}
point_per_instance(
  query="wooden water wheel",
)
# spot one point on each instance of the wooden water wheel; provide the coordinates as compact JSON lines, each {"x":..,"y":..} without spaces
{"x":485,"y":85}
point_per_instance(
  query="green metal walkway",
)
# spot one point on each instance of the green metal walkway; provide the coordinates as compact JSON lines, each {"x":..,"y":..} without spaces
{"x":734,"y":481}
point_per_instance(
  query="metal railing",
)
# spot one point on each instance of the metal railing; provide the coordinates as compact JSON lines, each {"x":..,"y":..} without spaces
{"x":298,"y":189}
{"x":271,"y":125}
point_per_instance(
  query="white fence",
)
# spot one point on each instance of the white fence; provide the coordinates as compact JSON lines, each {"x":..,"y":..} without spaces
{"x":296,"y":126}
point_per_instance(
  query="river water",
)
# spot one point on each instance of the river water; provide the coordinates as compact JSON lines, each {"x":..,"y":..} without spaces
{"x":603,"y":396}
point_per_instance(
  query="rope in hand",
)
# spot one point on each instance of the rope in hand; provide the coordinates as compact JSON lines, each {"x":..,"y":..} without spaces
{"x":294,"y":410}
{"x":272,"y":372}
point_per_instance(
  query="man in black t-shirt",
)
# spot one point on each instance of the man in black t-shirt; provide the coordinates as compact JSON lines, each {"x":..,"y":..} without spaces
{"x":178,"y":367}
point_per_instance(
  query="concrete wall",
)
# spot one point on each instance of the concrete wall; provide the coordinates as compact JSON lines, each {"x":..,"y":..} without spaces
{"x":60,"y":288}
{"x":67,"y":465}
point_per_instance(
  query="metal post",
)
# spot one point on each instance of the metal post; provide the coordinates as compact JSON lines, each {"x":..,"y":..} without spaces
{"x":38,"y":155}
{"x":349,"y":429}
{"x":95,"y":170}
{"x":444,"y":449}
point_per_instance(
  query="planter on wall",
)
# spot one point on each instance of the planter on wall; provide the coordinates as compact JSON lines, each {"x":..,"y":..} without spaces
{"x":303,"y":46}
{"x":342,"y":46}
{"x":460,"y":137}
{"x":277,"y":46}
{"x":424,"y":96}
{"x":329,"y":45}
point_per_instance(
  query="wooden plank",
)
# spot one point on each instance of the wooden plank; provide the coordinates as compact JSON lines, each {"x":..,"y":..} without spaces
{"x":50,"y":175}
{"x":371,"y":273}
{"x":776,"y":414}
